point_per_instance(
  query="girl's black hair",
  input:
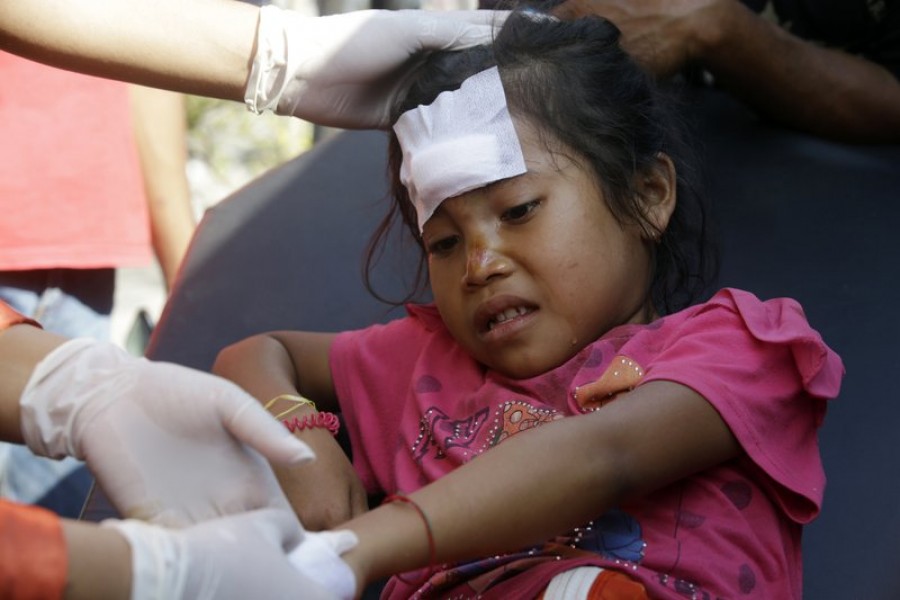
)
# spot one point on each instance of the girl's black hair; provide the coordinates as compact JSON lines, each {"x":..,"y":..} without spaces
{"x":572,"y":80}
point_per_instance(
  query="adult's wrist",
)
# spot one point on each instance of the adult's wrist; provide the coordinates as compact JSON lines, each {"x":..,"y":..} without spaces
{"x":22,"y":347}
{"x":717,"y":25}
{"x":723,"y":24}
{"x":99,"y":562}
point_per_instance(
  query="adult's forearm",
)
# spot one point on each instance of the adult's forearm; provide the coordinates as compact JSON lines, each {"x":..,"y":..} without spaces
{"x":198,"y":47}
{"x":798,"y":83}
{"x":22,"y":347}
{"x":99,"y":562}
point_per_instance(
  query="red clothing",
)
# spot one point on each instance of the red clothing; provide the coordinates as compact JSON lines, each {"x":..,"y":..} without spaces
{"x":71,"y":191}
{"x":33,"y":558}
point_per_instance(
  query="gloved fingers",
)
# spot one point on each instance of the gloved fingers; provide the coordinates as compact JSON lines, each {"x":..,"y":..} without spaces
{"x":341,"y":541}
{"x":445,"y":34}
{"x":494,"y":18}
{"x":276,"y":525}
{"x":318,"y":557}
{"x":253,"y":425}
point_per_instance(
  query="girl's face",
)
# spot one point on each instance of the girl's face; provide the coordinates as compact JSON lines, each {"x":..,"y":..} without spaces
{"x":527,"y":271}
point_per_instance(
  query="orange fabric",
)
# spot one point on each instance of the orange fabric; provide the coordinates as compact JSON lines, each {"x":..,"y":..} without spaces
{"x":33,"y":558}
{"x":9,"y":317}
{"x":612,"y":585}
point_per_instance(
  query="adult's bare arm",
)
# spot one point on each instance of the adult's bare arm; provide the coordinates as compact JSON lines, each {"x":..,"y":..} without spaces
{"x":326,"y":492}
{"x":200,"y":47}
{"x":343,"y":70}
{"x":160,"y":129}
{"x":792,"y":81}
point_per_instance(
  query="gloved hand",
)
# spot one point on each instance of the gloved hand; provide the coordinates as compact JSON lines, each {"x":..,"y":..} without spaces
{"x":345,"y":70}
{"x":166,"y":443}
{"x":319,"y":557}
{"x":231,"y":558}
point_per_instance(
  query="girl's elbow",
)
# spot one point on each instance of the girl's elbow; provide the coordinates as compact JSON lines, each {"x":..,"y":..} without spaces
{"x":236,"y":354}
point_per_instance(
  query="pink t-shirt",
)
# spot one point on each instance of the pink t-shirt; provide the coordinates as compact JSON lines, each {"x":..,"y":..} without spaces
{"x":71,"y":190}
{"x":417,"y":407}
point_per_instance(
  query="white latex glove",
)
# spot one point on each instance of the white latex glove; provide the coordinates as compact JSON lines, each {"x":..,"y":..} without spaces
{"x":319,"y":557}
{"x":231,"y":558}
{"x":345,"y":70}
{"x":166,"y":443}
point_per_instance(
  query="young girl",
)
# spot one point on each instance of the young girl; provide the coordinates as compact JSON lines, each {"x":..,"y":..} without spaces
{"x":620,"y":453}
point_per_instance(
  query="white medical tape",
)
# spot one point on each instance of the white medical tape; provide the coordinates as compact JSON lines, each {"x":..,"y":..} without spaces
{"x":462,"y":141}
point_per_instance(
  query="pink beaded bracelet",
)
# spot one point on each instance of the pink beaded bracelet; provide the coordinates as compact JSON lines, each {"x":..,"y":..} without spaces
{"x":323,"y":419}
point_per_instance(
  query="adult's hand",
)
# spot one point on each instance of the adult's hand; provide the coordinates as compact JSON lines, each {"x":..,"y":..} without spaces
{"x":792,"y":81}
{"x":230,"y":558}
{"x":661,"y":35}
{"x":167,"y":444}
{"x":346,"y":70}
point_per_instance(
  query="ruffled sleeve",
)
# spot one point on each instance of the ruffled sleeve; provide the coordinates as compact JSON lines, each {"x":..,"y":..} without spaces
{"x":768,"y":374}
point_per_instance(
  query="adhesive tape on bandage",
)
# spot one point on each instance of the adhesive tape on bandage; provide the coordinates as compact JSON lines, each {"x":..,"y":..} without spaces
{"x":462,"y":141}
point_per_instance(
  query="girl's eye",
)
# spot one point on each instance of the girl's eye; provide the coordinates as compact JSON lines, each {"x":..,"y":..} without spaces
{"x":520,"y":212}
{"x":443,"y":245}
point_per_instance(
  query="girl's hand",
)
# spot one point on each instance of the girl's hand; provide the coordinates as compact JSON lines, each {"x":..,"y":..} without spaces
{"x":326,"y":492}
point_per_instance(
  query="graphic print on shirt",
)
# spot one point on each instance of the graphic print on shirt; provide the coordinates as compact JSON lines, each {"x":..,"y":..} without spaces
{"x":616,"y":536}
{"x":439,"y":432}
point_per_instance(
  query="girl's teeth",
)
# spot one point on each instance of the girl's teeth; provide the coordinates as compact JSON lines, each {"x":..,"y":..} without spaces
{"x":506,"y":315}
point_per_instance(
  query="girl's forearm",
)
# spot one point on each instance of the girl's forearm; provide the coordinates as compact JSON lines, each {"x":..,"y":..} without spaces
{"x":198,"y":47}
{"x":507,"y":499}
{"x":546,"y":481}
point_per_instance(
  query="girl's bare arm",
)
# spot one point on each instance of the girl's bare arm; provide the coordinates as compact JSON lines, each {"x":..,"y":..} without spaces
{"x":327,"y":491}
{"x":577,"y":468}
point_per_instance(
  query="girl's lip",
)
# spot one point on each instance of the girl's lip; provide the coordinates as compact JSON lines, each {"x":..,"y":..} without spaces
{"x":502,"y":314}
{"x":503,"y":331}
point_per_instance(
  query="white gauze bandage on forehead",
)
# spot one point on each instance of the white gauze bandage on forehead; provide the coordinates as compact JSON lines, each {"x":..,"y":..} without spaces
{"x":462,"y":141}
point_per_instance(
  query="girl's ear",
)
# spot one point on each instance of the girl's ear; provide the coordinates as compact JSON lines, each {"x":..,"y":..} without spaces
{"x":656,"y":188}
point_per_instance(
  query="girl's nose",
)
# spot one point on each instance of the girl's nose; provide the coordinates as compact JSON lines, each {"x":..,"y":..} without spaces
{"x":484,"y":263}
